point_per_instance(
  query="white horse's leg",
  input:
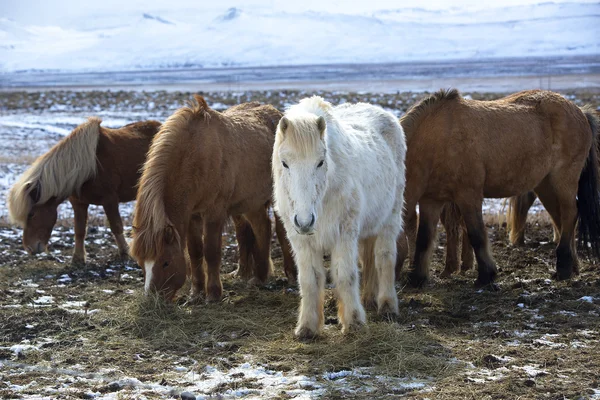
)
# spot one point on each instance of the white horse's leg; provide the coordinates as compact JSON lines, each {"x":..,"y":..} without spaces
{"x":345,"y":276}
{"x":311,"y":277}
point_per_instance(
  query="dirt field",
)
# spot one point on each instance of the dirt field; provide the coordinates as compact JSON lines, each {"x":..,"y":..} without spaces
{"x":89,"y":332}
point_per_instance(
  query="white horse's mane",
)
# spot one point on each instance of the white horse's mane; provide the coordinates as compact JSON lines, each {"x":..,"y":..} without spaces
{"x":59,"y":172}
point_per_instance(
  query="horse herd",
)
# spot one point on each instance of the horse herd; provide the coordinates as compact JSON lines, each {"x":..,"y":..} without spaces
{"x":343,"y":180}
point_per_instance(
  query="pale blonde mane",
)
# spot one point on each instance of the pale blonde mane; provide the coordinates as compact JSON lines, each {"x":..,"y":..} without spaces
{"x":150,"y":217}
{"x":58,"y":173}
{"x":303,"y":135}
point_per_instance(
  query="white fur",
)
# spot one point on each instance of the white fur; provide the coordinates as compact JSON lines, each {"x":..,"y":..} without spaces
{"x":357,"y":194}
{"x":148,"y":265}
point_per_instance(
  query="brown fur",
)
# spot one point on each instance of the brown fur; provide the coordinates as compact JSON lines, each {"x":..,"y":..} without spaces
{"x":461,"y":151}
{"x":117,"y":157}
{"x":206,"y":165}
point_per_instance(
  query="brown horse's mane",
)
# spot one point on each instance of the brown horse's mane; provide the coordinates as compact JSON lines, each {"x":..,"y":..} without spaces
{"x":414,"y":116}
{"x":150,"y":221}
{"x":58,"y":173}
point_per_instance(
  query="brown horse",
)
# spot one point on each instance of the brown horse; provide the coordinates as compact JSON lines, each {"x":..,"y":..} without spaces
{"x":92,"y":165}
{"x":203,"y":167}
{"x":461,"y":151}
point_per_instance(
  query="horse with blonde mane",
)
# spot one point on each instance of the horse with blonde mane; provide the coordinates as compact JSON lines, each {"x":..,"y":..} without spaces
{"x":92,"y":165}
{"x":339,"y":183}
{"x":461,"y":151}
{"x":203,"y":167}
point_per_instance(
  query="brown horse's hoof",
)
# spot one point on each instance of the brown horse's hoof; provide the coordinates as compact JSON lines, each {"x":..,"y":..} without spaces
{"x":446,"y":274}
{"x":214,"y":294}
{"x":491,"y":286}
{"x":465,"y":269}
{"x":563,"y":275}
{"x":417,"y":280}
{"x":78,"y":261}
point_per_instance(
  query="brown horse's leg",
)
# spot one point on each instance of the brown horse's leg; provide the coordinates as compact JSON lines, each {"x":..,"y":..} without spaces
{"x":261,"y":251}
{"x":429,"y":215}
{"x":81,"y":218}
{"x":566,"y":256}
{"x":111,"y":209}
{"x":213,"y":230}
{"x":407,"y":239}
{"x":246,"y":241}
{"x":550,"y":202}
{"x":196,"y":251}
{"x":471,"y":212}
{"x":289,"y":266}
{"x":467,"y":255}
{"x":517,"y":217}
{"x":452,"y":224}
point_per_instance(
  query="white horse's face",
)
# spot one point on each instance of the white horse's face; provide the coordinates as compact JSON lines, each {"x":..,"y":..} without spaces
{"x":302,"y":170}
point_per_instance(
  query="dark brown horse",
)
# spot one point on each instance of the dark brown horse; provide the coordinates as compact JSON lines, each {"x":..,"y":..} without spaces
{"x":202,"y":167}
{"x":92,"y":165}
{"x":461,"y":151}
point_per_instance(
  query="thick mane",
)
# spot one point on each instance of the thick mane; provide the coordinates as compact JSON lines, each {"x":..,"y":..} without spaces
{"x":411,"y":120}
{"x":304,"y":136}
{"x":58,"y":173}
{"x":150,"y":217}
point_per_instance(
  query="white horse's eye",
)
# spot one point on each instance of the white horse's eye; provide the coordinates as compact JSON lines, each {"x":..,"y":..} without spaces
{"x":320,"y":164}
{"x":284,"y":164}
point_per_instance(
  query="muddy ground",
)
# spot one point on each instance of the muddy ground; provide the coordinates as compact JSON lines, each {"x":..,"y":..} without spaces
{"x":89,"y":332}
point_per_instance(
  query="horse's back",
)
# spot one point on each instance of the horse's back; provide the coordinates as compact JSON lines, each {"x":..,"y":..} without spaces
{"x":121,"y":153}
{"x":368,"y":120}
{"x":264,"y":115}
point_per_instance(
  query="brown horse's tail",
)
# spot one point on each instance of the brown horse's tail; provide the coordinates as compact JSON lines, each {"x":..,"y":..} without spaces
{"x":588,"y":193}
{"x":516,"y":216}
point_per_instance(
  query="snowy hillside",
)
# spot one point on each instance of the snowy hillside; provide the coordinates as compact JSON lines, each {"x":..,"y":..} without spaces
{"x":260,"y":33}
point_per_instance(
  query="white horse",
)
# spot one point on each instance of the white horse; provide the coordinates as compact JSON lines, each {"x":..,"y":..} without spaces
{"x":339,"y":180}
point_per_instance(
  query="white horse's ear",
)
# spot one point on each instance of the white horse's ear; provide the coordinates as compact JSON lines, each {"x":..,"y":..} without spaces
{"x":284,"y":123}
{"x":321,"y":125}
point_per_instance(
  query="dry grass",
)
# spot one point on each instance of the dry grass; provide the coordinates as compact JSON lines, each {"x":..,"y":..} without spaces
{"x":261,"y":323}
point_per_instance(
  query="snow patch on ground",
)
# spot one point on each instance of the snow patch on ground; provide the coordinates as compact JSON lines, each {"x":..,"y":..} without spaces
{"x":206,"y":383}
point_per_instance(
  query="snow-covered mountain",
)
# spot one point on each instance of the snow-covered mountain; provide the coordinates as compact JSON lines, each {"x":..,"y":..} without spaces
{"x":263,"y":32}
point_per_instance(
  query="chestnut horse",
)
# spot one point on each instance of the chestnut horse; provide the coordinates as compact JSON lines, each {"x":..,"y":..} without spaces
{"x":202,"y":167}
{"x":461,"y":151}
{"x":92,"y":165}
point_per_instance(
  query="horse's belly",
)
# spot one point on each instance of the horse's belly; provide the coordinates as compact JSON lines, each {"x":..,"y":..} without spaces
{"x":518,"y":182}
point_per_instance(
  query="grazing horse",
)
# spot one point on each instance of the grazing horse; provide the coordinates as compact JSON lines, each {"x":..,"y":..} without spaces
{"x":461,"y":151}
{"x":339,"y":183}
{"x":202,"y":167}
{"x":92,"y":165}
